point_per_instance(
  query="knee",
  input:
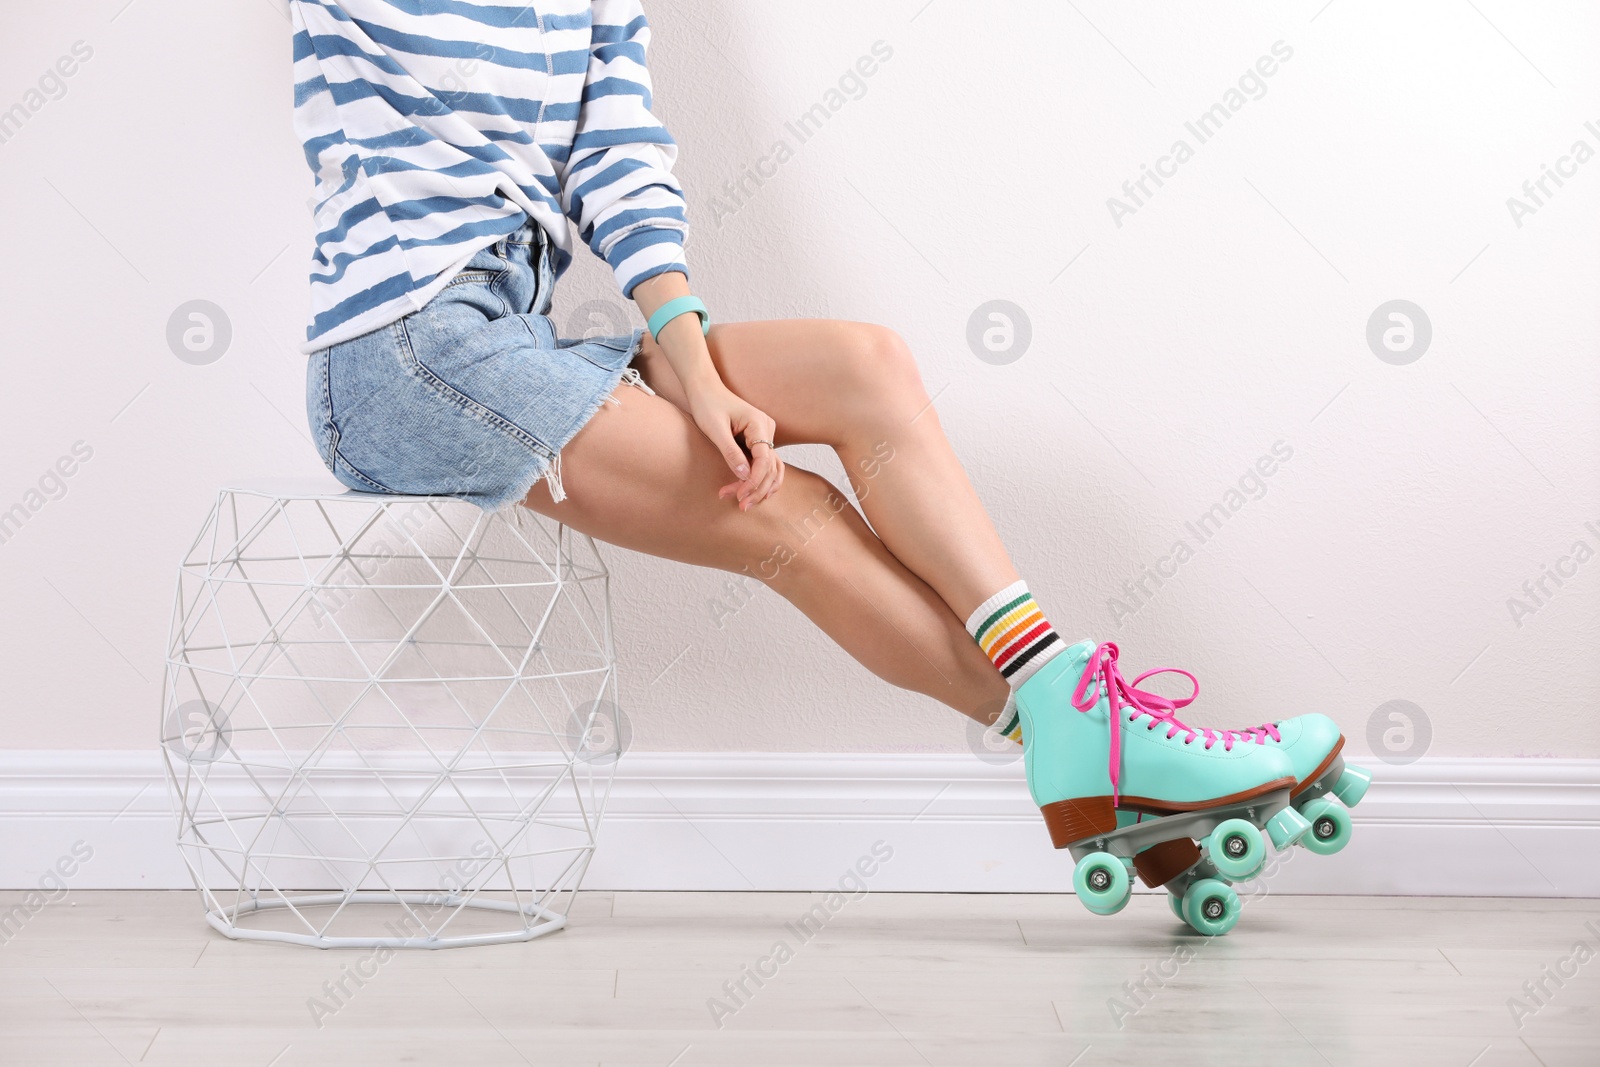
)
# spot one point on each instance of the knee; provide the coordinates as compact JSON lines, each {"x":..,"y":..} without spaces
{"x":796,"y":530}
{"x":880,"y":375}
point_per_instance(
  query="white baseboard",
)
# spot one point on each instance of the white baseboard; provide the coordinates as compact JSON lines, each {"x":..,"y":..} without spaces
{"x":741,"y":821}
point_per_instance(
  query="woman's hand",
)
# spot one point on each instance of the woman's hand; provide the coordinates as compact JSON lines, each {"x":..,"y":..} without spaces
{"x":723,"y":417}
{"x":726,"y":418}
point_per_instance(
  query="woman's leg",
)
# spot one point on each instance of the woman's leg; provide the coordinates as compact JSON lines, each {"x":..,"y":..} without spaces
{"x":641,"y":475}
{"x":856,"y":387}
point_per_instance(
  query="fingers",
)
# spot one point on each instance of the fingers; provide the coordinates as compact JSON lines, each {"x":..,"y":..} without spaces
{"x":765,"y":466}
{"x":777,"y":482}
{"x":768,"y":485}
{"x":732,"y":454}
{"x":748,"y":494}
{"x":759,"y":476}
{"x":759,"y":431}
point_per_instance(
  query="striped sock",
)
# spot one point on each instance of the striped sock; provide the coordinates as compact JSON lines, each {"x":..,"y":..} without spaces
{"x":1009,"y":724}
{"x":1018,"y":639}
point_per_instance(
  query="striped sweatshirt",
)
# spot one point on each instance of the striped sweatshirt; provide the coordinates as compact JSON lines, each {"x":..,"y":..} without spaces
{"x":436,"y":127}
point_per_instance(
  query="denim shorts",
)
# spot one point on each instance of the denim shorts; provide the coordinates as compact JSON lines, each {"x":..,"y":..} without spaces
{"x":471,"y":396}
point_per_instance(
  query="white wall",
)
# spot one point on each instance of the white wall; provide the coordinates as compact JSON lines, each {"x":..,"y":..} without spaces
{"x":1168,"y":353}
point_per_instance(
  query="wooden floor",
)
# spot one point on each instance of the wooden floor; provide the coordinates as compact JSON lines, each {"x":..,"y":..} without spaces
{"x":136,"y":977}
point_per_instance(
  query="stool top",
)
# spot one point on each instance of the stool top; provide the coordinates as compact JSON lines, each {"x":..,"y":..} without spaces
{"x":312,"y":487}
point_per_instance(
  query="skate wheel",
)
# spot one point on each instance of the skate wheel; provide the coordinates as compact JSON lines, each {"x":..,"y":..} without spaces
{"x":1211,"y":907}
{"x":1330,"y":826}
{"x":1101,"y":882}
{"x":1236,"y":850}
{"x":1175,"y":902}
{"x":1352,"y":785}
{"x":1286,"y":827}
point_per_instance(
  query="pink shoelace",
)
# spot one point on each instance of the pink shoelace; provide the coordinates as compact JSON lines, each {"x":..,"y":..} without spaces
{"x":1105,"y":676}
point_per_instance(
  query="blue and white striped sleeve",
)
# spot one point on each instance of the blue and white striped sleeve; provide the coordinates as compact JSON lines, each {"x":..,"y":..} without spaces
{"x":617,"y":185}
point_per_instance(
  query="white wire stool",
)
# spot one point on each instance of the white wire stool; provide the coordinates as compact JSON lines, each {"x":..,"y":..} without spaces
{"x":388,"y":720}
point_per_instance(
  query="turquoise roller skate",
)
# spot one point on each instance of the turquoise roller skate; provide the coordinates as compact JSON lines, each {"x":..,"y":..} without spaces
{"x":1116,"y":774}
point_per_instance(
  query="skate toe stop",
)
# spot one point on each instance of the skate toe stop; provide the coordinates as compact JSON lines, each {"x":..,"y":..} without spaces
{"x":1352,"y":785}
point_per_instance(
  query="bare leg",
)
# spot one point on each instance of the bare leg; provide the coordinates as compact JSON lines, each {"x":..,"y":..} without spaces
{"x":857,"y":388}
{"x":641,"y":475}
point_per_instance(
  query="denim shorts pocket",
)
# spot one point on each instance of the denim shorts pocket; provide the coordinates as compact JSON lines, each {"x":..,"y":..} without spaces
{"x":472,"y":276}
{"x":440,"y":371}
{"x":606,"y":353}
{"x":477,"y":292}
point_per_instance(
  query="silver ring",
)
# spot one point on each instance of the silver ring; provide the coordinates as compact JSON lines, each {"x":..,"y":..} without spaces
{"x":753,"y":444}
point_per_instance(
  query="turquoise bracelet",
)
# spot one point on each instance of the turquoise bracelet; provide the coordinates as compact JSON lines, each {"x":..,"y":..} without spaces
{"x":681,"y":305}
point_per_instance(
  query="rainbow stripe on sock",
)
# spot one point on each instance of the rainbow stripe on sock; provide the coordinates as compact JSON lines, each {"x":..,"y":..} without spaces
{"x":1018,"y":640}
{"x":1015,"y":633}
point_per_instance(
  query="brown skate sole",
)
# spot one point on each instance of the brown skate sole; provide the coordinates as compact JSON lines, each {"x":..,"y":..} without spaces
{"x":1081,"y":817}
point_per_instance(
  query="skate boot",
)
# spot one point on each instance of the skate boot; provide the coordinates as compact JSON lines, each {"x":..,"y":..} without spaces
{"x":1098,"y":750}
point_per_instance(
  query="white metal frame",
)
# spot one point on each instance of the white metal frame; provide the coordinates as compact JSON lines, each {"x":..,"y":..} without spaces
{"x":387,"y":709}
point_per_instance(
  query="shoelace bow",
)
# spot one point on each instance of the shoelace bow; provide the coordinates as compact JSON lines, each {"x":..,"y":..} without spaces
{"x":1103,"y":675}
